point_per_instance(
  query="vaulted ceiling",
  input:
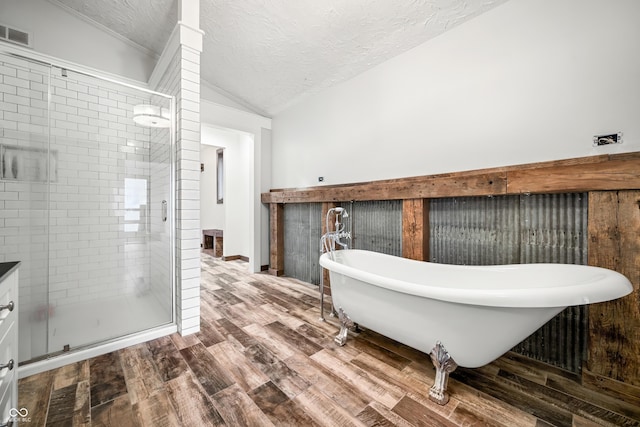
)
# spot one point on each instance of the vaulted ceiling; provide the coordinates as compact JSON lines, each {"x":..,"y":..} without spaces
{"x":267,"y":54}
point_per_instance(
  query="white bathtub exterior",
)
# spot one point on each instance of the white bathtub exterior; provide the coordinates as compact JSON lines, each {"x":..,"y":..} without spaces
{"x":477,"y":312}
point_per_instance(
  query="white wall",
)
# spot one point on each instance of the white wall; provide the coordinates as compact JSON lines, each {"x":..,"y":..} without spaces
{"x":265,"y":185}
{"x":218,"y":96}
{"x":238,"y":197}
{"x":220,"y":116}
{"x":59,"y":34}
{"x":528,"y":81}
{"x":211,"y":212}
{"x":235,"y":218}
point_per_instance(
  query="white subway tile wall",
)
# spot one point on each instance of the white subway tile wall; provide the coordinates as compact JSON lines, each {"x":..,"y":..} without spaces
{"x":182,"y":79}
{"x":23,"y":202}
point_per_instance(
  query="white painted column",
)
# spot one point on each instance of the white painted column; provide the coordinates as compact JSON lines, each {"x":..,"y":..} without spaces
{"x":178,"y":73}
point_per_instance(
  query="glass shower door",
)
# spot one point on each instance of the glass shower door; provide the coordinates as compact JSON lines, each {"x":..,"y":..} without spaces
{"x":107,"y":229}
{"x":85,"y":204}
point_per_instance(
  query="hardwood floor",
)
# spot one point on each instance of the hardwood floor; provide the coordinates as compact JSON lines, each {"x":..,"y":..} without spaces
{"x":262,"y":358}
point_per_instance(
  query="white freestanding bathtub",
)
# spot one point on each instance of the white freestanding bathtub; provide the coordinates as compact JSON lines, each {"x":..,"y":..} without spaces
{"x":462,"y":315}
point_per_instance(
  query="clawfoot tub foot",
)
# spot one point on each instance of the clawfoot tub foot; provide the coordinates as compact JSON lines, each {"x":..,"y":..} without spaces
{"x":345,"y":324}
{"x":444,"y":366}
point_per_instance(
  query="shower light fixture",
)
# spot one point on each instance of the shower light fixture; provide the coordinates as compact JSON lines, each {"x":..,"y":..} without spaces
{"x":151,"y":116}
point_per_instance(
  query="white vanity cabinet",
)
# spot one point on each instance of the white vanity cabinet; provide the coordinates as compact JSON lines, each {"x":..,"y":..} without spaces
{"x":8,"y":342}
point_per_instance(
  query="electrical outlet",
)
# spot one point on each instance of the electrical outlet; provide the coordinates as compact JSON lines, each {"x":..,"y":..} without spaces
{"x":614,"y":138}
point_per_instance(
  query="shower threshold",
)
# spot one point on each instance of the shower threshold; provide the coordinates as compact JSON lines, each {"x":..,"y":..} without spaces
{"x":107,"y":324}
{"x":83,"y":324}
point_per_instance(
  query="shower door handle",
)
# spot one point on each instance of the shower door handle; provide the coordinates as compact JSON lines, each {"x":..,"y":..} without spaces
{"x":8,"y":365}
{"x":164,"y":211}
{"x":9,"y":306}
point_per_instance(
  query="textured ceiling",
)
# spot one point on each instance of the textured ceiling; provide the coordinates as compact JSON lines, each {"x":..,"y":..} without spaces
{"x":267,"y":54}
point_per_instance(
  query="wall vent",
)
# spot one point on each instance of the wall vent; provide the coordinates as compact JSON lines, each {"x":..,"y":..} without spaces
{"x":14,"y":35}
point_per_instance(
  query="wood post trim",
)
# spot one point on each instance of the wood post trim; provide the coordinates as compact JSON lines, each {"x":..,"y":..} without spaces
{"x":325,"y":273}
{"x":415,"y":229}
{"x":594,"y":173}
{"x":276,"y":245}
{"x":614,"y":326}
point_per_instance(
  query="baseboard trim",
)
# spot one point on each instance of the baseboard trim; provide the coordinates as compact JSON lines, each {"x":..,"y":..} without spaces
{"x":233,"y":257}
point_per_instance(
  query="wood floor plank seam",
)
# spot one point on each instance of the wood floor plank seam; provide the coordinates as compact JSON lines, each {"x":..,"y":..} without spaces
{"x":571,"y":403}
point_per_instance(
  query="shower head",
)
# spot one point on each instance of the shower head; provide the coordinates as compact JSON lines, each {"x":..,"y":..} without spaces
{"x":342,"y":211}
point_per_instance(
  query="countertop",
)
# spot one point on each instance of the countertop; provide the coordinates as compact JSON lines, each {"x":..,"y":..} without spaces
{"x":7,"y":268}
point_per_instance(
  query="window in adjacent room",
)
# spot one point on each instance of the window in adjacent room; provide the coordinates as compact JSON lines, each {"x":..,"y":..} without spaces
{"x":220,"y":175}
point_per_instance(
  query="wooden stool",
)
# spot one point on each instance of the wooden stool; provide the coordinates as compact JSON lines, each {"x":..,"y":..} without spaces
{"x":212,"y":239}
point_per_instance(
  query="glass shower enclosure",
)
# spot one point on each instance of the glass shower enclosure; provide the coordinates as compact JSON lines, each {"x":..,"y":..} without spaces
{"x":85,"y":204}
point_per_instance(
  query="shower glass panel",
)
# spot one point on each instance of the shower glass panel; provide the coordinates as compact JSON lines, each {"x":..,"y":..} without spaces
{"x":90,"y":190}
{"x":24,"y":191}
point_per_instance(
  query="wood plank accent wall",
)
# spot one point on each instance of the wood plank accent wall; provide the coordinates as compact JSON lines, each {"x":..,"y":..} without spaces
{"x":605,"y":172}
{"x":613,"y":183}
{"x":614,"y":326}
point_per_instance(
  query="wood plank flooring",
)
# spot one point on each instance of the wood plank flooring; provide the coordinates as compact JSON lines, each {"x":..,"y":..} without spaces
{"x":262,"y":358}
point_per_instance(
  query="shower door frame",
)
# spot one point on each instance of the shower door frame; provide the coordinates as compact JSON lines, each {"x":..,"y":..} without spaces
{"x":56,"y":359}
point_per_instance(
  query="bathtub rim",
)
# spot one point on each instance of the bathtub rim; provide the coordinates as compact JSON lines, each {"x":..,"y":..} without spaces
{"x":558,"y":296}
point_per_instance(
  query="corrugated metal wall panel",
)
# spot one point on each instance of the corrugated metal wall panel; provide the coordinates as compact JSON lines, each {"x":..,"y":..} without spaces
{"x":474,"y":230}
{"x":302,"y":232}
{"x":520,"y":229}
{"x":376,"y":226}
{"x":554,"y":229}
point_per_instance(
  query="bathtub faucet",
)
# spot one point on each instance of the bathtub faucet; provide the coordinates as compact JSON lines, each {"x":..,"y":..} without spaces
{"x":330,"y":239}
{"x":328,"y":243}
